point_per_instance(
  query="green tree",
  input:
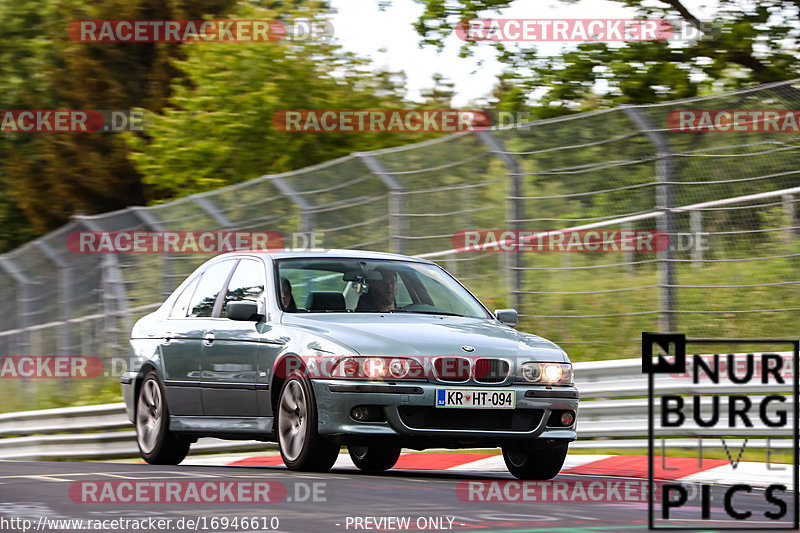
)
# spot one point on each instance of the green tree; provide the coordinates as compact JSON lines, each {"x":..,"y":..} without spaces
{"x":745,"y":44}
{"x":50,"y":176}
{"x":27,"y":54}
{"x":218,"y":127}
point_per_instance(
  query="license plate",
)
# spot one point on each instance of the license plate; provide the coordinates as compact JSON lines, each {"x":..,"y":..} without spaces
{"x":476,"y":398}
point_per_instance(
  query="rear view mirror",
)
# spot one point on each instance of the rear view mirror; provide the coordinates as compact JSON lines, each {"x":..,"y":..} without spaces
{"x":506,"y":316}
{"x":360,"y":278}
{"x":357,"y":275}
{"x":244,"y":310}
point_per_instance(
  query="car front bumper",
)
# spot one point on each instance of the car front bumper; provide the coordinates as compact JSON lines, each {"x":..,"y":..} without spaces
{"x":336,"y":399}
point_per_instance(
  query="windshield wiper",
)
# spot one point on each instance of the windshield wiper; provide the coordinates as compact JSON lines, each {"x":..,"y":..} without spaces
{"x":434,"y":313}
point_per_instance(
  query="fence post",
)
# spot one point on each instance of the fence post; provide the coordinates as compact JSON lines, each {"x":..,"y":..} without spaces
{"x":154,"y":224}
{"x":211,"y":210}
{"x":64,"y":294}
{"x":115,"y":298}
{"x":514,"y":213}
{"x":396,"y":200}
{"x":306,"y":209}
{"x":628,"y":257}
{"x":665,"y":170}
{"x":789,"y":213}
{"x":696,"y":227}
{"x":23,"y":309}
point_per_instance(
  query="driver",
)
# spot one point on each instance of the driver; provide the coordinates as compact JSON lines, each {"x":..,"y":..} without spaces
{"x":287,"y":298}
{"x":381,"y":294}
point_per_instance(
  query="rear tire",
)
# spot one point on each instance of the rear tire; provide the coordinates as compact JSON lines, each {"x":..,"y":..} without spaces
{"x":157,"y":444}
{"x":374,"y":458}
{"x":302,"y":448}
{"x":525,"y":462}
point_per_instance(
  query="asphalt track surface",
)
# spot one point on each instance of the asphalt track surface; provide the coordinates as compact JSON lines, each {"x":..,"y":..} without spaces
{"x":38,"y":491}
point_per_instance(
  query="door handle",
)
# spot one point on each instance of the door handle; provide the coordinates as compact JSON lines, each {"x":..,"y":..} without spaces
{"x":208,"y":338}
{"x":168,"y":336}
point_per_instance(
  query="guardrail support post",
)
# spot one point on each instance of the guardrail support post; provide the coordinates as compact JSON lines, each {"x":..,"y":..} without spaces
{"x":665,"y":174}
{"x":306,"y":209}
{"x":696,"y":227}
{"x":64,"y":295}
{"x":23,"y":309}
{"x":115,"y":298}
{"x":153,"y":223}
{"x":514,"y":213}
{"x":396,"y":200}
{"x":211,"y":210}
{"x":789,"y":212}
{"x":629,"y":257}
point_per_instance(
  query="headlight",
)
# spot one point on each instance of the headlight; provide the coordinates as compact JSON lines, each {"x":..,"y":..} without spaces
{"x":378,"y":368}
{"x":399,"y":368}
{"x":551,"y":373}
{"x":350,"y":367}
{"x":531,"y":371}
{"x":374,"y":367}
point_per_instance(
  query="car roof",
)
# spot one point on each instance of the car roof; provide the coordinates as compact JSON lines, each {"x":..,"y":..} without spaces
{"x":328,"y":253}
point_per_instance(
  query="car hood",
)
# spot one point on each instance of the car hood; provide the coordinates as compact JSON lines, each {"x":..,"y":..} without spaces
{"x":425,"y":335}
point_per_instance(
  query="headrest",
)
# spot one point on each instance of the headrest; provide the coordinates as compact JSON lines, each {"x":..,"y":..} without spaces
{"x":325,"y":301}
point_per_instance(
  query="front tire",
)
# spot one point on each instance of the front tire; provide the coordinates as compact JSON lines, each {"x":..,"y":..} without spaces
{"x":302,"y":448}
{"x":157,"y":444}
{"x":373,"y":458}
{"x":535,"y":463}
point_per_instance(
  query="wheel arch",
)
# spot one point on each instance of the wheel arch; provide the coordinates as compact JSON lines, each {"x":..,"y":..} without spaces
{"x":143,"y":371}
{"x":279,"y":375}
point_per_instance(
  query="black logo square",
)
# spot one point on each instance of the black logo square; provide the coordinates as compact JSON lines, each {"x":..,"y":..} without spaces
{"x":663,"y":344}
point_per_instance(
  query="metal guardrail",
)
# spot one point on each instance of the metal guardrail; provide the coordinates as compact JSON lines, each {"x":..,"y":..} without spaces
{"x":613,"y":414}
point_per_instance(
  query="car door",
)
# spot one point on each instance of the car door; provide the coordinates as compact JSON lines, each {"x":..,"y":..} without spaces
{"x":231,"y":348}
{"x":181,"y":346}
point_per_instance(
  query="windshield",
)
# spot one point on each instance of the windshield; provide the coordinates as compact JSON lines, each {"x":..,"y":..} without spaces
{"x":324,"y":285}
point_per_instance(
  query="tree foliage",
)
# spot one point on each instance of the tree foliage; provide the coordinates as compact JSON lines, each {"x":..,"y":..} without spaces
{"x":49,"y":176}
{"x":745,"y":44}
{"x":218,"y":127}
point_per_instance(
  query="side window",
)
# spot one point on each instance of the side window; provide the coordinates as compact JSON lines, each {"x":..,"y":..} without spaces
{"x":247,"y":283}
{"x":182,"y":302}
{"x":202,"y":302}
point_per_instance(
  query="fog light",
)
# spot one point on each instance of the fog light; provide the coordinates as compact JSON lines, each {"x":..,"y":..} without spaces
{"x":359,"y":413}
{"x":567,"y":418}
{"x":367,"y":413}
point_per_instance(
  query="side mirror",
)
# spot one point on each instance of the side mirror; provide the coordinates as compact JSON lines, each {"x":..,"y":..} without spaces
{"x":506,"y":316}
{"x":244,"y":310}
